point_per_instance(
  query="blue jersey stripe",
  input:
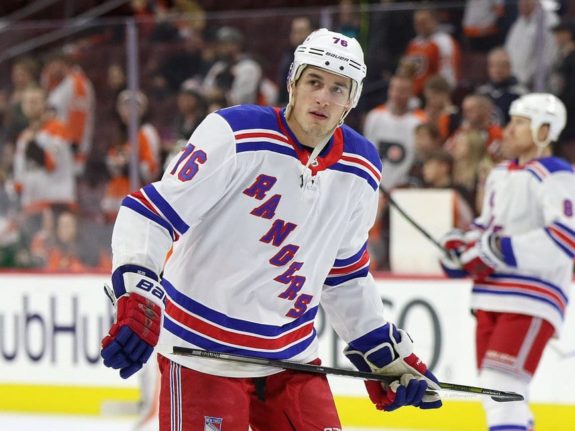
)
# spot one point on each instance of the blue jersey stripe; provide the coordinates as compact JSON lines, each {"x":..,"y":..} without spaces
{"x":356,"y":171}
{"x":524,"y":294}
{"x":171,"y":215}
{"x":348,"y":261}
{"x":531,"y":279}
{"x":334,"y":281}
{"x":141,"y":209}
{"x":558,"y":242}
{"x":221,"y":319}
{"x":265,"y":146}
{"x":208,"y":344}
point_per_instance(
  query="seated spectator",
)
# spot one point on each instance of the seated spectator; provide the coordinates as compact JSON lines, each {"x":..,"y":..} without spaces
{"x":13,"y":252}
{"x":438,"y":173}
{"x":391,"y":128}
{"x":71,"y":95}
{"x":427,"y":141}
{"x":300,"y":28}
{"x":432,"y":51}
{"x":185,"y":63}
{"x":563,"y":86}
{"x":119,"y":154}
{"x":235,"y":74}
{"x":43,"y":162}
{"x":192,"y":109}
{"x":348,"y":19}
{"x":62,"y":248}
{"x":477,"y":111}
{"x":24,"y":74}
{"x":439,"y":108}
{"x":470,"y":156}
{"x":532,"y":52}
{"x":481,"y":24}
{"x":502,"y":87}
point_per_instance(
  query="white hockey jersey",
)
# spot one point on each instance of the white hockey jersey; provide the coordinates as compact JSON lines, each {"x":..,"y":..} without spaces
{"x":258,"y":240}
{"x":533,"y":206}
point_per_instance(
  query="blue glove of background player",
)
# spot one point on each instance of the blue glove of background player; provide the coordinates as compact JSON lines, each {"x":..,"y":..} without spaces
{"x":132,"y":338}
{"x":389,"y":351}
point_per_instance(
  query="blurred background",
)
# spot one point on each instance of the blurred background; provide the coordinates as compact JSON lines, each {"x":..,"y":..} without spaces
{"x":97,"y":96}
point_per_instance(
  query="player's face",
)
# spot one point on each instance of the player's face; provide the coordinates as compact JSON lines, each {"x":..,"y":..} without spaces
{"x":319,"y":100}
{"x":517,"y":138}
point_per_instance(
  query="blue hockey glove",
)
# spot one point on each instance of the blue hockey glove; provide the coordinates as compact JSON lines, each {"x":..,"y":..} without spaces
{"x":389,"y":351}
{"x":139,"y":308}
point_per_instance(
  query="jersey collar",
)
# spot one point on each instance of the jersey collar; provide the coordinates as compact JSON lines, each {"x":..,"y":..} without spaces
{"x":328,"y":156}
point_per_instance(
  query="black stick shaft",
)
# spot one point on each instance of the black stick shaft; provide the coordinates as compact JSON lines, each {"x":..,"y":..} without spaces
{"x":412,"y":222}
{"x":319,"y":369}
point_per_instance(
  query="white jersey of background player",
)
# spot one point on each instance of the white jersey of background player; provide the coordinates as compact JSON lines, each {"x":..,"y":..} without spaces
{"x":520,"y":255}
{"x":263,"y":214}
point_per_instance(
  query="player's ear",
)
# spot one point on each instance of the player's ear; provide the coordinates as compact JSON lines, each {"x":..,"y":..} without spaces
{"x":543,"y":133}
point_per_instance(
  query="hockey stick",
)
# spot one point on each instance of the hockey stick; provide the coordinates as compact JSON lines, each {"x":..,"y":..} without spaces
{"x":416,"y":225}
{"x":495,"y":395}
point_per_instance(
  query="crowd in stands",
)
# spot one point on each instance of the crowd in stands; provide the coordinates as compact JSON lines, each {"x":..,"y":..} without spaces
{"x":435,"y":104}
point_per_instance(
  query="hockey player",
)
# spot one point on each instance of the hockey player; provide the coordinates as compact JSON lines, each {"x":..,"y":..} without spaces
{"x":520,"y":256}
{"x":264,"y":213}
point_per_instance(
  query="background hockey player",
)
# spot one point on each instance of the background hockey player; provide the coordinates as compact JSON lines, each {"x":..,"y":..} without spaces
{"x":267,"y":213}
{"x":520,"y":256}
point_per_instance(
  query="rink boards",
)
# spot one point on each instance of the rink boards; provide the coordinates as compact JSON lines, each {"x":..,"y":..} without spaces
{"x":51,"y":326}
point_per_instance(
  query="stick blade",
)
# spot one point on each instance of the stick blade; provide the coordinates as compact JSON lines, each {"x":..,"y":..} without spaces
{"x":509,"y":396}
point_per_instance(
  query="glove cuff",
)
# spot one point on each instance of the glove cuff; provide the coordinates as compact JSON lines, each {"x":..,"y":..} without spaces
{"x":140,"y":280}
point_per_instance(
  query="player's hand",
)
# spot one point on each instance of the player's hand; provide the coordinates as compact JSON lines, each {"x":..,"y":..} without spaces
{"x":455,"y":242}
{"x":389,"y":351}
{"x":483,"y":257}
{"x":132,"y":338}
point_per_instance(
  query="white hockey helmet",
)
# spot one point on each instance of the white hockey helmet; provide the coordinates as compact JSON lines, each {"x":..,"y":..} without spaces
{"x":335,"y":53}
{"x":542,"y":109}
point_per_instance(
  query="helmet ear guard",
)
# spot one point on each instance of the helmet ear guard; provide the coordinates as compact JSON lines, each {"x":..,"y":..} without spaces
{"x":542,"y":109}
{"x":332,"y":52}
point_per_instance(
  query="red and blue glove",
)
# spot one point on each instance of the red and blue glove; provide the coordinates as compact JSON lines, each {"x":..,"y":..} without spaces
{"x":454,"y":243}
{"x":132,"y":338}
{"x":389,"y":351}
{"x":486,"y":255}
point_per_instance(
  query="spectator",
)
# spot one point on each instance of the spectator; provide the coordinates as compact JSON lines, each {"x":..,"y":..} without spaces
{"x":23,"y":75}
{"x":71,"y":95}
{"x":192,"y":109}
{"x":438,"y":174}
{"x":300,"y":28}
{"x":63,"y":248}
{"x":477,"y":116}
{"x":183,"y":64}
{"x":563,"y":85}
{"x":470,"y":158}
{"x":348,"y":21}
{"x":530,"y":43}
{"x":439,"y":108}
{"x":389,"y":34}
{"x":234,"y":75}
{"x":11,"y":240}
{"x":502,"y":87}
{"x":427,"y":140}
{"x":115,"y":79}
{"x":481,"y":24}
{"x":431,"y":52}
{"x":43,"y":163}
{"x":391,"y":128}
{"x":118,"y":157}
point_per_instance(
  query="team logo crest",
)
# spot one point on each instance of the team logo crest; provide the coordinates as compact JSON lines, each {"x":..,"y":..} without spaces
{"x":212,"y":424}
